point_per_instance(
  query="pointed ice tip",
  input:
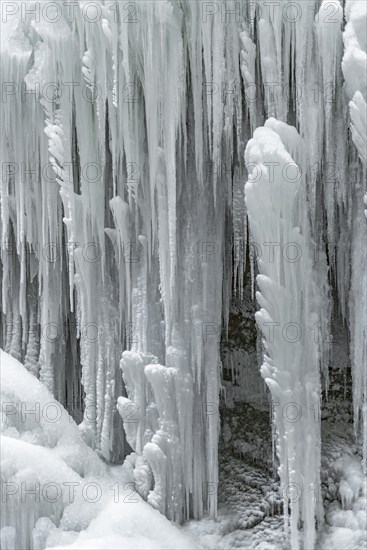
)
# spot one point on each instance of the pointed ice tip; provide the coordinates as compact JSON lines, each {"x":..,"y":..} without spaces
{"x":117,"y":204}
{"x":112,"y":234}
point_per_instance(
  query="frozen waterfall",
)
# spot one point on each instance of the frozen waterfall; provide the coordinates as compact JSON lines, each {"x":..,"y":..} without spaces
{"x":161,"y":162}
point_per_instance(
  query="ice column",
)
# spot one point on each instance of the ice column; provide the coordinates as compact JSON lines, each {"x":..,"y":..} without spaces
{"x":275,"y":199}
{"x":354,"y":68}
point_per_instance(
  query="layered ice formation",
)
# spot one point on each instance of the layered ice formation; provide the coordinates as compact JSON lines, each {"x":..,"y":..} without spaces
{"x":126,"y":226}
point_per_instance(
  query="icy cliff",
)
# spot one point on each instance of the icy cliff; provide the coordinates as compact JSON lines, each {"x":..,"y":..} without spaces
{"x":125,"y":230}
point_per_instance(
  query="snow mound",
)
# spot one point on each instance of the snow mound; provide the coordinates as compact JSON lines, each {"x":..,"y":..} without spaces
{"x":32,"y":415}
{"x":127,"y":525}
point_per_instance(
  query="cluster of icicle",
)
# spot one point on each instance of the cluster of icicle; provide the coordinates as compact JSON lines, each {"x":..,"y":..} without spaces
{"x":354,"y":68}
{"x":118,"y":153}
{"x":298,"y":184}
{"x":123,"y":221}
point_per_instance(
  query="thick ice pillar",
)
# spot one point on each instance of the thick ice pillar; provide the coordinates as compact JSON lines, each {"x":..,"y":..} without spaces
{"x":288,"y":299}
{"x":354,"y":68}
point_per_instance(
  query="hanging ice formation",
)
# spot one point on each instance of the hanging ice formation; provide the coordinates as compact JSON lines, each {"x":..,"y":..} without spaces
{"x":111,"y":193}
{"x":123,"y":221}
{"x":354,"y":69}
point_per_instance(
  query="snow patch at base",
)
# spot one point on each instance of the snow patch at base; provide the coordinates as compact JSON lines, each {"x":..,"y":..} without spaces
{"x":74,"y":499}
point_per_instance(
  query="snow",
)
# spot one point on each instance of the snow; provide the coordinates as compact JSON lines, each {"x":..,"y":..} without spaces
{"x":77,"y":501}
{"x":30,"y":412}
{"x":128,"y":526}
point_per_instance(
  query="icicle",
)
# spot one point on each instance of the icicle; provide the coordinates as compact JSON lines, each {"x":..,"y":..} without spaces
{"x":248,"y":59}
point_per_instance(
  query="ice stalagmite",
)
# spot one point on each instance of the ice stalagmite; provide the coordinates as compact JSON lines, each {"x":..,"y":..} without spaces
{"x":288,"y":296}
